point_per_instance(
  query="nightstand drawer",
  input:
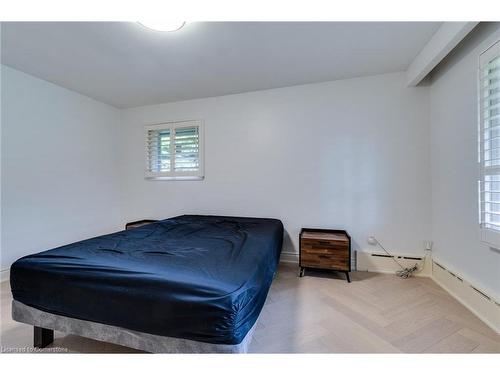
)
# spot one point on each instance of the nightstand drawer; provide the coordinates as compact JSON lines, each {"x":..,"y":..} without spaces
{"x":324,"y":246}
{"x":340,"y":252}
{"x":330,"y":261}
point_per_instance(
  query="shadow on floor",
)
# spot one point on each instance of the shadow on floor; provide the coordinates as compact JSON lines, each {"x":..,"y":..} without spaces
{"x":326,"y":274}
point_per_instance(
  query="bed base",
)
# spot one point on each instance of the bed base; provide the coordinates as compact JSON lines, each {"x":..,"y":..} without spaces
{"x":46,"y":323}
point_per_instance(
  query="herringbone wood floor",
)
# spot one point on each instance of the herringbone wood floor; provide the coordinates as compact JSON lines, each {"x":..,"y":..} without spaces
{"x":322,"y":313}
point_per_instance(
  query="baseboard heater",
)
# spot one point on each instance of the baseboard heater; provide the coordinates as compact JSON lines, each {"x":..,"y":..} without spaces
{"x":482,"y":294}
{"x":391,"y":263}
{"x":394,"y":256}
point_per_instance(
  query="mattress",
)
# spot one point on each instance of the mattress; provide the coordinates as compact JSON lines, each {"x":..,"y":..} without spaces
{"x":202,"y":278}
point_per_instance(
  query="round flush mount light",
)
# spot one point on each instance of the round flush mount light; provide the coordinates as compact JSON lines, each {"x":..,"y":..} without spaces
{"x":163,"y":26}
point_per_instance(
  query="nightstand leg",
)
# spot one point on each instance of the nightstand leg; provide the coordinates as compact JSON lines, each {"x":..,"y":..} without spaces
{"x":348,"y":277}
{"x":301,"y":271}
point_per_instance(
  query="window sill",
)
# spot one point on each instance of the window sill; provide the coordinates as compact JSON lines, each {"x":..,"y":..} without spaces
{"x":490,"y":238}
{"x":176,"y":178}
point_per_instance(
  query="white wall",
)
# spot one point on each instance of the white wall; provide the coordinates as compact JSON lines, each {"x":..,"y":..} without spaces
{"x":355,"y":154}
{"x":453,"y":119}
{"x":350,"y":154}
{"x":60,"y":179}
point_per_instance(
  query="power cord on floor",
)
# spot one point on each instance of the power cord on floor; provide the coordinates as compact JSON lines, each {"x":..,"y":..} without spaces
{"x":405,"y":272}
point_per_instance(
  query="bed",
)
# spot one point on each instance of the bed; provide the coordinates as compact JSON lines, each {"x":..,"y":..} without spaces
{"x":186,"y":284}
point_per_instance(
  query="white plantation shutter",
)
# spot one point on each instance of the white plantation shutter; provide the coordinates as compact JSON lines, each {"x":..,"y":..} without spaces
{"x":187,"y":151}
{"x":489,"y":145}
{"x":158,"y":150}
{"x":174,"y":150}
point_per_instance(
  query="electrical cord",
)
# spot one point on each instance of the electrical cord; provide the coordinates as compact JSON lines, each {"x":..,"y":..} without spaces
{"x":405,"y":272}
{"x":388,"y":253}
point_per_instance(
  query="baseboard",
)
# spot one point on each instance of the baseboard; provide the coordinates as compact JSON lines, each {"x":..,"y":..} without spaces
{"x":289,"y":257}
{"x":4,"y":275}
{"x":383,"y":263}
{"x":481,"y":304}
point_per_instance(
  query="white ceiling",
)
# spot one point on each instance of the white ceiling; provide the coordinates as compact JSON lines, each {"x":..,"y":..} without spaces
{"x":126,"y":65}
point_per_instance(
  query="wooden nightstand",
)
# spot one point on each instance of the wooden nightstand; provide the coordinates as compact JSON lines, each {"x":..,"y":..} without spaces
{"x":325,"y":249}
{"x":139,"y":223}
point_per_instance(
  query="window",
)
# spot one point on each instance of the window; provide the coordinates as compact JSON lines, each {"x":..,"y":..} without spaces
{"x":174,"y":151}
{"x":489,"y":145}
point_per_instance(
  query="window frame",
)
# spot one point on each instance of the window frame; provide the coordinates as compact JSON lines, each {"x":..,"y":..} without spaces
{"x":489,"y":236}
{"x":172,"y":175}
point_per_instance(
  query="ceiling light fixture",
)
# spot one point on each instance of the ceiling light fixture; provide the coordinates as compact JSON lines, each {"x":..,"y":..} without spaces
{"x":164,"y":26}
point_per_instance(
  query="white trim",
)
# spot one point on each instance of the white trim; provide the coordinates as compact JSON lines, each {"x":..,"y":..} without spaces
{"x":489,"y":54}
{"x":4,"y":275}
{"x":489,"y":236}
{"x":289,"y":257}
{"x":471,"y":296}
{"x":463,"y":275}
{"x":439,"y":46}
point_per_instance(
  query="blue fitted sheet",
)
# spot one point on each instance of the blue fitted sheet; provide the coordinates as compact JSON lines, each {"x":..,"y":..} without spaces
{"x":202,"y":278}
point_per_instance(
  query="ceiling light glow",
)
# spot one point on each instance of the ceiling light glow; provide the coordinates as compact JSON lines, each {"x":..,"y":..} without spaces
{"x":165,"y":26}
